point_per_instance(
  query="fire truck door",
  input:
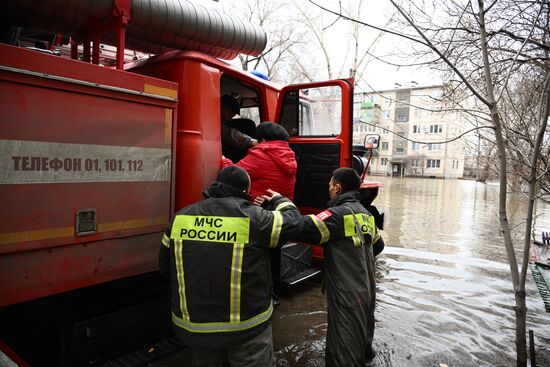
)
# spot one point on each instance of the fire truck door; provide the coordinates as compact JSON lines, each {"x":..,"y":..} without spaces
{"x":318,"y":117}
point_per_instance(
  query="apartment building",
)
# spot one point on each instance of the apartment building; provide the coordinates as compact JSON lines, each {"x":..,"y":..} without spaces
{"x":415,"y":125}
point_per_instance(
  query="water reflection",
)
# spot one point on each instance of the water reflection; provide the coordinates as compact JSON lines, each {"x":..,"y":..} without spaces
{"x":444,"y":288}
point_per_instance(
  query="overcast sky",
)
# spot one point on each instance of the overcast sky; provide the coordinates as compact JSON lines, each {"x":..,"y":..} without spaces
{"x":377,"y":74}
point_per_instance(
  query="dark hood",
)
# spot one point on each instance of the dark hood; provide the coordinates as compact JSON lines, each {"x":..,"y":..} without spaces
{"x":224,"y":190}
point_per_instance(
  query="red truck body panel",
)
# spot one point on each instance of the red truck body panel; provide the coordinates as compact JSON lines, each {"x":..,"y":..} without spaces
{"x":77,"y":136}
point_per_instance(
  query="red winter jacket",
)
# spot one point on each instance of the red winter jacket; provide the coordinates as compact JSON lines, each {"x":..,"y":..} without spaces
{"x":271,"y":165}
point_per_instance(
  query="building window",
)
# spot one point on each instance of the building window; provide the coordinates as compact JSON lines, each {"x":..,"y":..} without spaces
{"x":436,"y":129}
{"x":371,"y":128}
{"x":386,"y":114}
{"x":433,"y":163}
{"x":415,"y":146}
{"x":399,"y":150}
{"x":434,"y":147}
{"x":416,"y":129}
{"x":385,"y":145}
{"x":383,"y":161}
{"x":385,"y":130}
{"x":402,"y":117}
{"x":414,"y":163}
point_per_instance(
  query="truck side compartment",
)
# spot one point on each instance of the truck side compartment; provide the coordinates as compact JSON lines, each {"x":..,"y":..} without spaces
{"x":85,"y":173}
{"x":86,"y":161}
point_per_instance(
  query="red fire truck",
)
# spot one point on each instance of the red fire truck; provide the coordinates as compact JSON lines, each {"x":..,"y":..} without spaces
{"x":94,"y":160}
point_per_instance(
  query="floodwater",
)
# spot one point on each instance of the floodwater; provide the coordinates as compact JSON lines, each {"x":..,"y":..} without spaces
{"x":444,"y":290}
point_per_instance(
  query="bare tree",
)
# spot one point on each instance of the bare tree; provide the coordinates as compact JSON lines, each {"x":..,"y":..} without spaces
{"x":286,"y":38}
{"x":301,"y":45}
{"x":491,"y":51}
{"x":521,"y":111}
{"x":351,"y":54}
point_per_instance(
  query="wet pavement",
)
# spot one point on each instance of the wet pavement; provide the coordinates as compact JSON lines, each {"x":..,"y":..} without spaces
{"x":444,"y":293}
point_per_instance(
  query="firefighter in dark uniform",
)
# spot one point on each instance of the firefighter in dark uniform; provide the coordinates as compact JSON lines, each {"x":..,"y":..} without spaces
{"x":348,"y":232}
{"x":215,"y":253}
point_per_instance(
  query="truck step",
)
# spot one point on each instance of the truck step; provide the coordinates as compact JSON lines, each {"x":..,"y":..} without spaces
{"x":301,"y":276}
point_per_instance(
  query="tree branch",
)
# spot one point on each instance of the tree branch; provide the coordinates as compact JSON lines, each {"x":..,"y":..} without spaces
{"x":436,"y":50}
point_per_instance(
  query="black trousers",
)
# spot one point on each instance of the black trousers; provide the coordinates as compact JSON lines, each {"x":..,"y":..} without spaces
{"x":257,"y":352}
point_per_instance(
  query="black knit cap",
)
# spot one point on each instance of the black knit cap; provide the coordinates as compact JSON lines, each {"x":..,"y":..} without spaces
{"x":348,"y":178}
{"x":271,"y":131}
{"x":232,"y":103}
{"x":235,"y":176}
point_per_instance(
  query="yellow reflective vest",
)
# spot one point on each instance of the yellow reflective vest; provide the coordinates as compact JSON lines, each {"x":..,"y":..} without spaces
{"x":216,"y":255}
{"x":348,"y":232}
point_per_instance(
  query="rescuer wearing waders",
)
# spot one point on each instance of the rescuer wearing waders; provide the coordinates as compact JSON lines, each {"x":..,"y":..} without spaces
{"x":348,"y":233}
{"x":215,"y":253}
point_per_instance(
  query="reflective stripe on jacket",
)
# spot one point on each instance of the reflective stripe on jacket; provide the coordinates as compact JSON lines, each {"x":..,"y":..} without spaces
{"x":216,"y":254}
{"x":349,"y":277}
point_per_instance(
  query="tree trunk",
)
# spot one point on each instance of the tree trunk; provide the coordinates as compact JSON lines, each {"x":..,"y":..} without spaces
{"x":519,"y":289}
{"x":520,"y":294}
{"x":521,"y":317}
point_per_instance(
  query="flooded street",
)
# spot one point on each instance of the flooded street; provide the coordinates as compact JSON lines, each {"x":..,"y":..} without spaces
{"x":444,"y":291}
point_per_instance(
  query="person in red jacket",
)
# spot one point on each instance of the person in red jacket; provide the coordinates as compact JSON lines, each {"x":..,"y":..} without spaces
{"x":271,"y":164}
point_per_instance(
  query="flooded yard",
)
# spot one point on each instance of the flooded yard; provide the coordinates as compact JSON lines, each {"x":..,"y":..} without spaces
{"x":444,"y":291}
